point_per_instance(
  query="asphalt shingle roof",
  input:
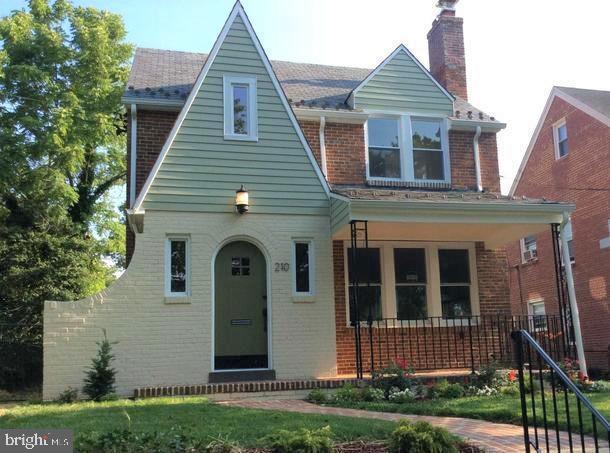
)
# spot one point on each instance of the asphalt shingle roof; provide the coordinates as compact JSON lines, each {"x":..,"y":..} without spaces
{"x":169,"y":75}
{"x":596,"y":99}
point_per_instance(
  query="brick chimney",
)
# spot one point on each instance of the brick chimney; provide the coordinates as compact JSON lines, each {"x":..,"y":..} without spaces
{"x":446,"y":49}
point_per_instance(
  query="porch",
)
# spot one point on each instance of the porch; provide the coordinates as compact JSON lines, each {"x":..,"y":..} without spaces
{"x":422,"y":277}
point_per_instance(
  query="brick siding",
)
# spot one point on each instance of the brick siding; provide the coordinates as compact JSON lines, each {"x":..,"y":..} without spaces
{"x":153,"y":129}
{"x":587,"y":165}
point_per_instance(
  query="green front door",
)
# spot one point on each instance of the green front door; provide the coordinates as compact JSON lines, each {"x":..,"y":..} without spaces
{"x":240,"y":311}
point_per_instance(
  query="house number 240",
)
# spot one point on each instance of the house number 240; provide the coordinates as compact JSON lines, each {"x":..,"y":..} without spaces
{"x":282,"y":267}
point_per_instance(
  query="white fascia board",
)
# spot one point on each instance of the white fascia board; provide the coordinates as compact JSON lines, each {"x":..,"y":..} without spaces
{"x":374,"y":72}
{"x":173,"y":104}
{"x":237,"y":10}
{"x":334,"y":116}
{"x":471,"y":125}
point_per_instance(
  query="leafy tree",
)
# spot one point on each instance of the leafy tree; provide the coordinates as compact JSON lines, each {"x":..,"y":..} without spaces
{"x":99,"y":380}
{"x":62,"y":73}
{"x":62,"y":153}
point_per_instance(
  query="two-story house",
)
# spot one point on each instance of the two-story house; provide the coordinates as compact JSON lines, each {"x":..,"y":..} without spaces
{"x":569,"y":159}
{"x":297,"y":221}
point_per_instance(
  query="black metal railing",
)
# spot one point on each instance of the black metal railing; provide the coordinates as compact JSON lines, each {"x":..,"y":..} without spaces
{"x":447,"y":343}
{"x":555,"y":413}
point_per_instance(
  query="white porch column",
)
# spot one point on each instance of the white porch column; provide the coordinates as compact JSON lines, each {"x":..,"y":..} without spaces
{"x":565,"y":254}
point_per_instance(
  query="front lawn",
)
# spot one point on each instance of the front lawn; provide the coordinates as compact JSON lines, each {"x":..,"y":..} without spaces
{"x":192,"y":415}
{"x":498,"y":408}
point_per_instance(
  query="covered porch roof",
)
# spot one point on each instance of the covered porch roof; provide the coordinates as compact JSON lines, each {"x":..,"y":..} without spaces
{"x":460,"y":216}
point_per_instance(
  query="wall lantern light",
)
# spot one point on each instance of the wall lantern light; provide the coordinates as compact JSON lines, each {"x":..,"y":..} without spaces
{"x":241,"y":200}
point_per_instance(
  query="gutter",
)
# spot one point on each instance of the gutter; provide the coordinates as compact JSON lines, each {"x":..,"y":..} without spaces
{"x":567,"y":264}
{"x":477,"y":158}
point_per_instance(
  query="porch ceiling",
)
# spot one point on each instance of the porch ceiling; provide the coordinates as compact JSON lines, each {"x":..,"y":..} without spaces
{"x":495,"y":221}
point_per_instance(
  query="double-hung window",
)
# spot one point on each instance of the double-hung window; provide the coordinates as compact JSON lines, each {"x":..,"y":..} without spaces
{"x":384,"y":148}
{"x":538,"y":313}
{"x":177,"y":267}
{"x":408,"y":148}
{"x":529,"y":249}
{"x":560,"y":138}
{"x":240,"y":110}
{"x":367,"y":273}
{"x":454,"y":269}
{"x":303,"y":267}
{"x":410,"y":277}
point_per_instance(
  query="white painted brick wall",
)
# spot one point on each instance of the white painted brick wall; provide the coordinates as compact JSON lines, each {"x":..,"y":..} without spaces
{"x":170,"y":344}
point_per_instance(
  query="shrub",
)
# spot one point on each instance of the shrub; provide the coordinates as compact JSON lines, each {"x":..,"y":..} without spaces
{"x":68,"y":396}
{"x":397,"y":374}
{"x":453,"y":391}
{"x":300,"y":441}
{"x":599,"y":387}
{"x":401,"y":396}
{"x":127,"y":441}
{"x":223,"y":445}
{"x":420,"y":392}
{"x":317,"y":396}
{"x":488,"y":376}
{"x":422,"y":437}
{"x":372,"y":394}
{"x":100,"y":378}
{"x":348,"y":394}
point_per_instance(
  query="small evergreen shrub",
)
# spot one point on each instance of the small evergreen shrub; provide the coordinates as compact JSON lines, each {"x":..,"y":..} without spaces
{"x":422,"y":437}
{"x":317,"y":396}
{"x":68,"y":396}
{"x":100,"y":378}
{"x":448,"y":390}
{"x":300,"y":441}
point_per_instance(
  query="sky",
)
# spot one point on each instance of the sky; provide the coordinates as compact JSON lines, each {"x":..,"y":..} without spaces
{"x":515,"y":50}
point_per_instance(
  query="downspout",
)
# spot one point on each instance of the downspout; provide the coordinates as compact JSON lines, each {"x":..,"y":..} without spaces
{"x":134,"y":154}
{"x":477,"y":159}
{"x":323,"y":147}
{"x":567,"y":264}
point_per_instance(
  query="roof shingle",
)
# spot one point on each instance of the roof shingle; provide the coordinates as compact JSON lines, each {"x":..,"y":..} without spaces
{"x":170,"y":75}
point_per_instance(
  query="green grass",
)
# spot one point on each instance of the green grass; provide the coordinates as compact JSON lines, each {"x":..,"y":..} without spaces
{"x":499,"y":408}
{"x":195,"y":416}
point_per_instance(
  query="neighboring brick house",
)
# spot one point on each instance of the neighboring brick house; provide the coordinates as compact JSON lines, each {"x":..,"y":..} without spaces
{"x":569,"y":159}
{"x":254,"y":186}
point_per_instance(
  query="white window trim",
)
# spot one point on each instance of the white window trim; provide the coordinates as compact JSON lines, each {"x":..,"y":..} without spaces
{"x":312,"y":267}
{"x":569,"y":228}
{"x":405,"y":138}
{"x":167,"y":270}
{"x":556,"y":126}
{"x":530,"y":312}
{"x":252,"y":112}
{"x":523,"y":250}
{"x":433,"y":285}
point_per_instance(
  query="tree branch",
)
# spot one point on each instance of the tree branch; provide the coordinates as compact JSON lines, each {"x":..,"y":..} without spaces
{"x":103,"y":187}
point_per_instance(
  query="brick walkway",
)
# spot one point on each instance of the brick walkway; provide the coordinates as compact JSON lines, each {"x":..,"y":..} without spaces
{"x":494,"y":437}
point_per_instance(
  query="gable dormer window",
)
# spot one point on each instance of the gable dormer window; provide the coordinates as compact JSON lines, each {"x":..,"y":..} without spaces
{"x":240,"y":111}
{"x":407,"y":148}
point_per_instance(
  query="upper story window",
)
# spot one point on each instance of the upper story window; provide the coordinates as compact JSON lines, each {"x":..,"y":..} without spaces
{"x":384,"y":148}
{"x":560,"y":139}
{"x":407,"y":148}
{"x":240,"y":111}
{"x":427,"y":149}
{"x":177,"y":266}
{"x":529,"y":249}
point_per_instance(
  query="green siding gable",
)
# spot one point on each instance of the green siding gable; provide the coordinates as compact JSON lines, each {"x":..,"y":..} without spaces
{"x":202,"y":170}
{"x":402,"y":85}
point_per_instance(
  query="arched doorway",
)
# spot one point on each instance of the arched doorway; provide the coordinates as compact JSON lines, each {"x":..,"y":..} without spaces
{"x":240,"y":308}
